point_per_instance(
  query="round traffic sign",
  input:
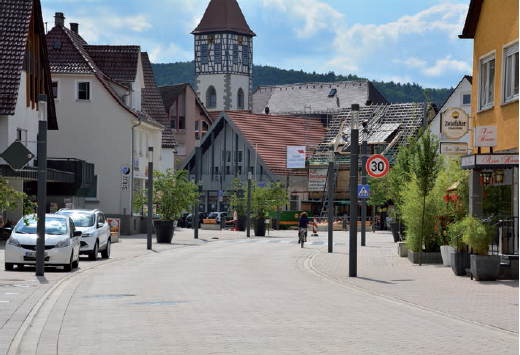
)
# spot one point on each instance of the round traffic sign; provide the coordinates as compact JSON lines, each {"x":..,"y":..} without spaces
{"x":377,"y":166}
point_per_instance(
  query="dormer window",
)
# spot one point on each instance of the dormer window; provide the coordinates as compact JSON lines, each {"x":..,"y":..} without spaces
{"x":332,"y":92}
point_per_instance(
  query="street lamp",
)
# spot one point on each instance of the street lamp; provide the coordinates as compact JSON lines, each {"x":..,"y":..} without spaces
{"x":330,"y":197}
{"x":42,"y":183}
{"x":364,"y":181}
{"x":197,"y":182}
{"x":354,"y":151}
{"x":248,"y":222}
{"x":150,"y":199}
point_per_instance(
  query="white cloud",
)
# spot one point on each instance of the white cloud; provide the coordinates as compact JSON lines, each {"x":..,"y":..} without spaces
{"x":170,"y":54}
{"x":441,"y":66}
{"x":315,"y":15}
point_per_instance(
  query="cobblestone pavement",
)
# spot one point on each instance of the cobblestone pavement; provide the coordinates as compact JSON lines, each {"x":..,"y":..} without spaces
{"x":263,"y":295}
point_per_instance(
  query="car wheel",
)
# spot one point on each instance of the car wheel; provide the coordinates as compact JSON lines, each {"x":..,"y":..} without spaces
{"x":9,"y":266}
{"x":106,"y":253}
{"x":75,"y":264}
{"x":68,"y":267}
{"x":94,"y":254}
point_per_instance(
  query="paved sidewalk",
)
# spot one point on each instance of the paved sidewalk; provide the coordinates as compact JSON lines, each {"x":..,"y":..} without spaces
{"x":380,"y":272}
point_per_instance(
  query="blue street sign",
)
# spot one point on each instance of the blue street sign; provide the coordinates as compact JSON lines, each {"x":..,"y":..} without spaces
{"x":363,"y":191}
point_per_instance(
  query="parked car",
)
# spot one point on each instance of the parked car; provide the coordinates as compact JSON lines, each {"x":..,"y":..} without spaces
{"x":95,"y":237}
{"x":181,"y":221}
{"x":189,"y":219}
{"x":62,"y":243}
{"x":5,"y":231}
{"x":219,"y":215}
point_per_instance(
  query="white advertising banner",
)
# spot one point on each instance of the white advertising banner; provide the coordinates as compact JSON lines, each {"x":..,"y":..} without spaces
{"x":295,"y":157}
{"x":317,"y":179}
{"x":485,"y":136}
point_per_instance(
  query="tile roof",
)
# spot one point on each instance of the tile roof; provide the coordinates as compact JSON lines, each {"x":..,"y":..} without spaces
{"x":69,"y":54}
{"x":472,"y":17}
{"x":170,"y":93}
{"x":314,"y":97}
{"x":223,"y":15}
{"x":392,"y":124}
{"x":15,"y":18}
{"x":118,"y":62}
{"x":271,"y":135}
{"x":152,"y":102}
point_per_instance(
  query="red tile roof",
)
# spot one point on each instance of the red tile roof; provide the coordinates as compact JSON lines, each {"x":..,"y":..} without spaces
{"x":223,"y":15}
{"x":272,"y":134}
{"x":152,"y":102}
{"x":118,"y":62}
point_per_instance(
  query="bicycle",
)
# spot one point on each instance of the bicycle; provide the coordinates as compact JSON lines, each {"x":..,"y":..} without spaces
{"x":301,"y":236}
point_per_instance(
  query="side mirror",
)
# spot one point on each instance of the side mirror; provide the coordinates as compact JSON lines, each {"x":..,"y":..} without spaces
{"x":100,"y":225}
{"x":77,"y":233}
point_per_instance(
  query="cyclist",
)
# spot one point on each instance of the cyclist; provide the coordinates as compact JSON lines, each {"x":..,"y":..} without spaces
{"x":303,"y":221}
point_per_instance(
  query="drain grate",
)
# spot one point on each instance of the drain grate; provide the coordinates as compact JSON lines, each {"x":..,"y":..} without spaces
{"x":159,"y":303}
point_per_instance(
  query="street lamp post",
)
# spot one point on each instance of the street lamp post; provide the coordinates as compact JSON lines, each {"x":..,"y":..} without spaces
{"x":330,"y":197}
{"x":197,"y":182}
{"x":149,"y":227}
{"x":42,"y":184}
{"x":354,"y":151}
{"x":364,"y":181}
{"x":248,"y":222}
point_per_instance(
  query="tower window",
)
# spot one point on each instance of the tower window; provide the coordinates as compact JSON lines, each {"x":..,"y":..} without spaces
{"x":204,"y":54}
{"x":240,"y":99}
{"x":218,"y":53}
{"x":235,"y":54}
{"x":245,"y":55}
{"x":211,"y":97}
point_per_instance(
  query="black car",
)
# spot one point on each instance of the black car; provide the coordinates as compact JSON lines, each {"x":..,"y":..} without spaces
{"x":189,"y":219}
{"x":181,"y":221}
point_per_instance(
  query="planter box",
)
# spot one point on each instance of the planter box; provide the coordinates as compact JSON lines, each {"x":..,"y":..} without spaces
{"x":402,"y":249}
{"x":427,"y":257}
{"x":485,"y":267}
{"x":446,"y":251}
{"x":459,"y":263}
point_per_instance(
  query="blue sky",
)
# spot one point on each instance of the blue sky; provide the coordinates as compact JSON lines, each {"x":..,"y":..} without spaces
{"x":403,"y":41}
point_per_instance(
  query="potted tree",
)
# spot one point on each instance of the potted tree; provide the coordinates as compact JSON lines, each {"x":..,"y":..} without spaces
{"x":460,"y":258}
{"x":172,"y":194}
{"x":478,"y":237}
{"x":264,"y":200}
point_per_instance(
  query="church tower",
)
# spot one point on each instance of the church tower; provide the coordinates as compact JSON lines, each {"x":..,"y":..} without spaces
{"x":224,"y":57}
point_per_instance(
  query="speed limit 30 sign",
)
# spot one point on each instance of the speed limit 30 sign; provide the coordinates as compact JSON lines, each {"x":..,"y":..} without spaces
{"x":377,"y":166}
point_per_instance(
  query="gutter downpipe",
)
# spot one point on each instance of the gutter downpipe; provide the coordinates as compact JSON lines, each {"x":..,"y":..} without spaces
{"x":132,"y":169}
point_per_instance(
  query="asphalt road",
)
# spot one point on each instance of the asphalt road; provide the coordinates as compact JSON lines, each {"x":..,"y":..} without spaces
{"x":238,"y":297}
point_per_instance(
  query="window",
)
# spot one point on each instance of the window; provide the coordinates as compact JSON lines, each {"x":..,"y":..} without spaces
{"x":211,"y":97}
{"x":238,"y":157}
{"x":204,"y":58}
{"x":486,"y":82}
{"x":55,"y":89}
{"x":173,"y":123}
{"x":240,"y":99}
{"x":84,"y":90}
{"x":510,"y":80}
{"x":21,"y":135}
{"x":332,"y":92}
{"x":196,"y":126}
{"x":228,"y":156}
{"x":218,"y":53}
{"x":466,"y":98}
{"x":235,"y":54}
{"x":92,"y":193}
{"x":182,"y":122}
{"x":245,"y":55}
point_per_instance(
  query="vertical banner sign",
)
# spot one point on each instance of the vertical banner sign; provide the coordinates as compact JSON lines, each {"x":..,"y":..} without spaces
{"x":125,"y":177}
{"x":295,"y":157}
{"x":317,"y":179}
{"x":485,"y":136}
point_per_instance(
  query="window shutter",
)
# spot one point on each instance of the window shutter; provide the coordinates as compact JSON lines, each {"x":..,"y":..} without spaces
{"x":511,"y":50}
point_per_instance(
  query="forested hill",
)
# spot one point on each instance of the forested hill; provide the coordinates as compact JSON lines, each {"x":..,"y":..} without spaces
{"x":182,"y":72}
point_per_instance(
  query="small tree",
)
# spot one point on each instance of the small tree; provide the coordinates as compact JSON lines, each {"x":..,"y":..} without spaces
{"x":9,"y":199}
{"x":236,"y":203}
{"x":267,"y":199}
{"x":172,"y":194}
{"x":426,"y":170}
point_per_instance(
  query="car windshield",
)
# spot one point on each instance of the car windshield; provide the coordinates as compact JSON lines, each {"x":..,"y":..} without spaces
{"x":53,"y":225}
{"x":81,"y":219}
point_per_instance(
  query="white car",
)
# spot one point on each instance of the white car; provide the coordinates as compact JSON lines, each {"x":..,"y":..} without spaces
{"x":61,"y":243}
{"x":95,"y":231}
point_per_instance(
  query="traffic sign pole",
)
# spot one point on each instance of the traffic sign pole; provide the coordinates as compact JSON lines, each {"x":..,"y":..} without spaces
{"x":364,"y":181}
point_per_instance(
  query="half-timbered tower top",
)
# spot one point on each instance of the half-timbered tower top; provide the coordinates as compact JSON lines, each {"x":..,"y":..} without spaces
{"x":223,"y":16}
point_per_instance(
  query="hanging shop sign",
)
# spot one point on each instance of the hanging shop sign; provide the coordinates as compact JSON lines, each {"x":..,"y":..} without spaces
{"x":485,"y":136}
{"x":454,"y":148}
{"x":454,"y":123}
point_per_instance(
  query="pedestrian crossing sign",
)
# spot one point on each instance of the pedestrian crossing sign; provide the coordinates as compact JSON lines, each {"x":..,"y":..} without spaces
{"x":363,"y":191}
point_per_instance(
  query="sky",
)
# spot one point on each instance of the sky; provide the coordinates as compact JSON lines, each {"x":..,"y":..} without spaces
{"x":405,"y":41}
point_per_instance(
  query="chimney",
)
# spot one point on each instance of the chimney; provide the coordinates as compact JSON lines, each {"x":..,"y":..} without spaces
{"x":74,"y":27}
{"x":59,"y":19}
